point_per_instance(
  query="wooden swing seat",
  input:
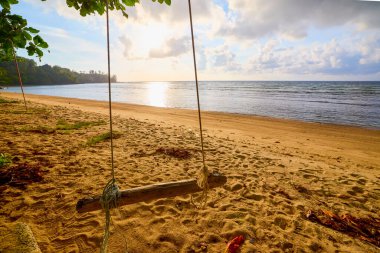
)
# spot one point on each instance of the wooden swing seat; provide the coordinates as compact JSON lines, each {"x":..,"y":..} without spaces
{"x":152,"y":192}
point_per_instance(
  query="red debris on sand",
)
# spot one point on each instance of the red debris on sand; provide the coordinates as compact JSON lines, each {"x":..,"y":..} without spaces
{"x":234,"y":245}
{"x":175,"y":152}
{"x":20,"y":175}
{"x":366,"y":229}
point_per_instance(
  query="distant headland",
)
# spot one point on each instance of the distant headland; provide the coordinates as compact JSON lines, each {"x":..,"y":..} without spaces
{"x":32,"y":74}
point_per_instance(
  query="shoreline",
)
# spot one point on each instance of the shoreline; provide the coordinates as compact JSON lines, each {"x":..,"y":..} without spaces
{"x":157,"y":109}
{"x":360,"y":142}
{"x":313,"y":111}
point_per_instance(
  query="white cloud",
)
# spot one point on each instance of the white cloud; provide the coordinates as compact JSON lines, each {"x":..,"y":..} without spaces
{"x":370,"y":50}
{"x":334,"y":58}
{"x":80,"y":53}
{"x":292,"y":18}
{"x":67,"y":44}
{"x":222,"y":59}
{"x":172,"y":48}
{"x":127,"y":45}
{"x":177,"y":12}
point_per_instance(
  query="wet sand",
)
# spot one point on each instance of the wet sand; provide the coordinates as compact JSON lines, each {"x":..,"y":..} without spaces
{"x":277,"y":170}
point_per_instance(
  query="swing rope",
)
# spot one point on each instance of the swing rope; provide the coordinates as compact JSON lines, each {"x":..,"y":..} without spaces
{"x":109,"y":91}
{"x":111,"y":191}
{"x":19,"y":75}
{"x":203,"y":179}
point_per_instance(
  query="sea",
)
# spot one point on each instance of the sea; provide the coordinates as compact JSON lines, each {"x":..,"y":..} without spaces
{"x":352,"y":103}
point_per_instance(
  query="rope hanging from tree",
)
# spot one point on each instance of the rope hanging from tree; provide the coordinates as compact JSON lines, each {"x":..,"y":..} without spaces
{"x":19,"y":75}
{"x":203,"y":177}
{"x":111,"y":191}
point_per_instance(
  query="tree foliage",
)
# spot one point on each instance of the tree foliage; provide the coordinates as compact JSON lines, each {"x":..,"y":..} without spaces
{"x":14,"y":33}
{"x":87,"y":7}
{"x":46,"y":74}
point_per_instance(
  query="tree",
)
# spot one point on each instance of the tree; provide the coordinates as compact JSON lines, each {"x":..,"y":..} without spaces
{"x":14,"y":33}
{"x":87,"y":7}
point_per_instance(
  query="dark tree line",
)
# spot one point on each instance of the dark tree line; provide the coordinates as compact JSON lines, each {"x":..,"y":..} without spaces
{"x":46,"y":74}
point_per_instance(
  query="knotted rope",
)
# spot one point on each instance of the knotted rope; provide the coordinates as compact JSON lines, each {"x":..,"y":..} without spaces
{"x":108,"y":200}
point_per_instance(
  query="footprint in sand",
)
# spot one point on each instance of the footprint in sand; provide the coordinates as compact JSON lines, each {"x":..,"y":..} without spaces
{"x":281,"y":222}
{"x":158,"y":220}
{"x":310,"y":176}
{"x":176,"y":239}
{"x":362,"y":181}
{"x":355,"y":190}
{"x":253,"y":196}
{"x":236,"y":187}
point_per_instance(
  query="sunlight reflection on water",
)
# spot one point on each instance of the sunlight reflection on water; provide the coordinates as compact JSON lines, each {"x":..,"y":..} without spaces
{"x":157,"y":93}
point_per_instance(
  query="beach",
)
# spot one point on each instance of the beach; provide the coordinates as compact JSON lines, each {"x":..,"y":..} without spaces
{"x":278,"y":171}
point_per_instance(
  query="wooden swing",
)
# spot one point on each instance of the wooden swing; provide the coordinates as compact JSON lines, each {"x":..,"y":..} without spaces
{"x":154,"y":191}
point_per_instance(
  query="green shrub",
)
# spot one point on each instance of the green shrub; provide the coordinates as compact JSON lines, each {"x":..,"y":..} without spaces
{"x":102,"y":137}
{"x":5,"y":101}
{"x":5,"y":160}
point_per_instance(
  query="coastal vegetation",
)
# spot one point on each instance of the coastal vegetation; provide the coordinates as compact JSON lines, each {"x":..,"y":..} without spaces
{"x":62,"y":126}
{"x":46,"y":74}
{"x":5,"y":101}
{"x":103,"y":137}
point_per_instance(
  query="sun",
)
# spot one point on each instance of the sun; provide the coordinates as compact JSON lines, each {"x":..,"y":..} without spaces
{"x":148,"y":37}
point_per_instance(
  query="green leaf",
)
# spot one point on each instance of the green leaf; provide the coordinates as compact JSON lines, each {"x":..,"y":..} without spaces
{"x":39,"y":52}
{"x":43,"y":45}
{"x":129,"y":2}
{"x":37,"y":39}
{"x":6,"y":4}
{"x":19,"y":41}
{"x":32,"y":30}
{"x":83,"y":12}
{"x":27,"y":35}
{"x":30,"y":50}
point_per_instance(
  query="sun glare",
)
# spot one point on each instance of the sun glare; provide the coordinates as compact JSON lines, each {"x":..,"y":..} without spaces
{"x":157,"y":93}
{"x":151,"y":36}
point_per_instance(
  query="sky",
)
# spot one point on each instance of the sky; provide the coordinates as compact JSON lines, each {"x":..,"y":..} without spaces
{"x":234,"y":39}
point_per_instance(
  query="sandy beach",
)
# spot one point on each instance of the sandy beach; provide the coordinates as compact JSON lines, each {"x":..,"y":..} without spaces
{"x":278,"y":170}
